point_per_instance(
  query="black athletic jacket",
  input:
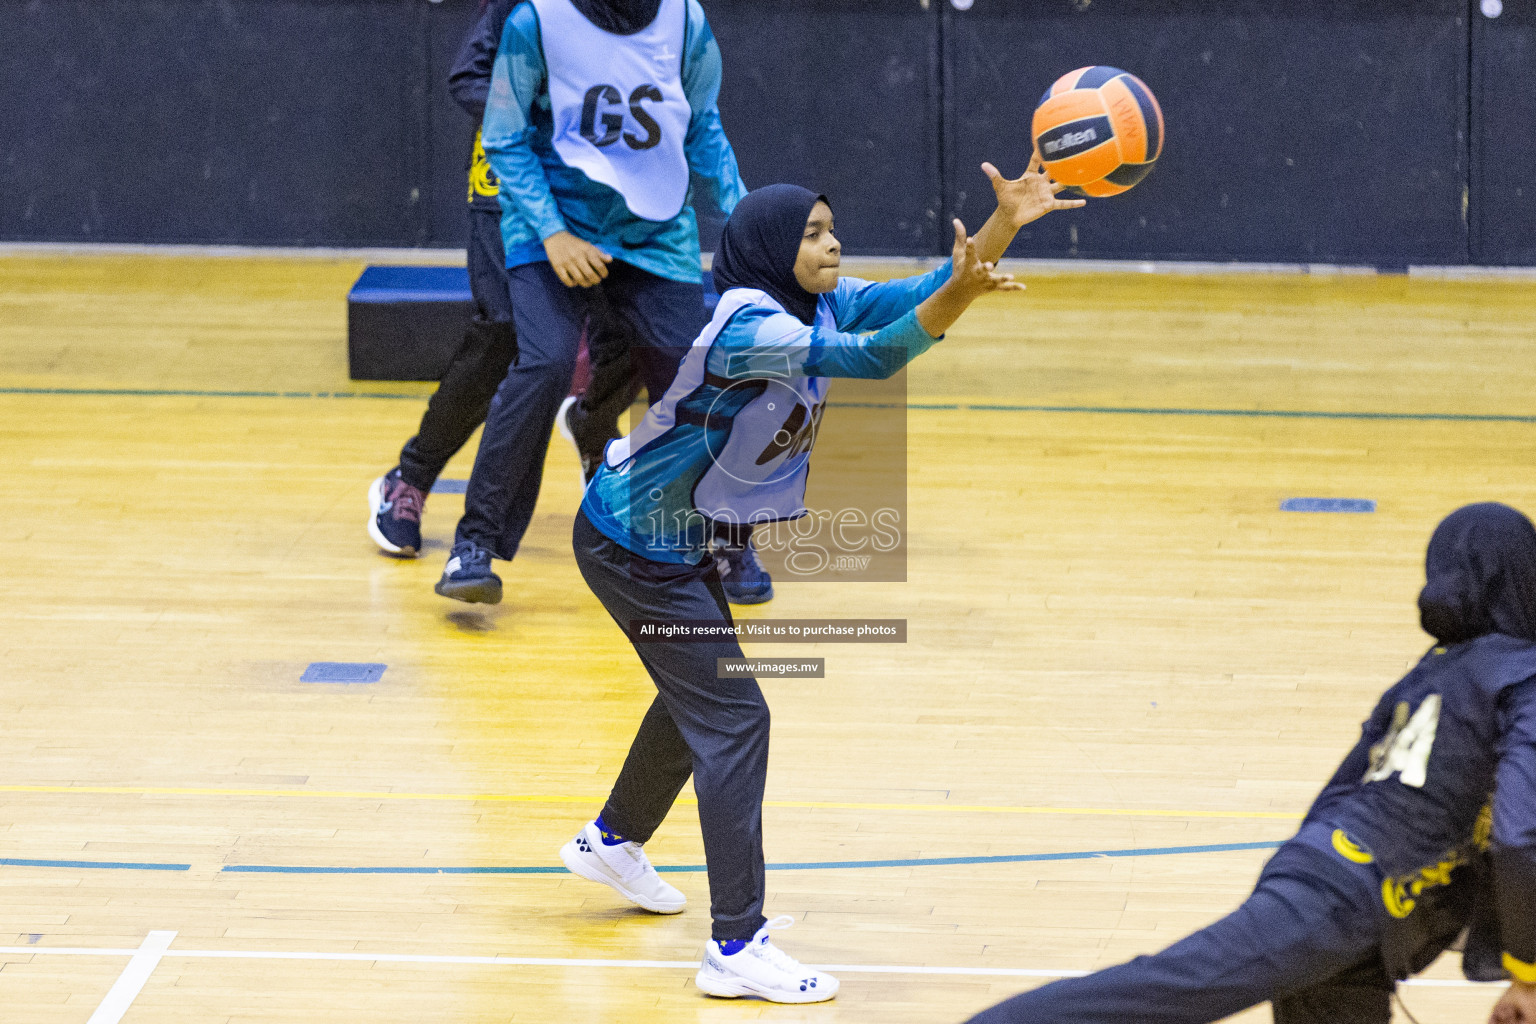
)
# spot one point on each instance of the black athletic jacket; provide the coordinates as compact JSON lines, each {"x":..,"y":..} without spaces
{"x":1450,"y":755}
{"x":1442,"y":785}
{"x":469,"y":83}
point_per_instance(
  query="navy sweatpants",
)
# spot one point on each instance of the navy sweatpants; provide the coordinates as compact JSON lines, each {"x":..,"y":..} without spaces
{"x":713,"y":729}
{"x":463,"y":396}
{"x":660,"y":319}
{"x":1308,"y":940}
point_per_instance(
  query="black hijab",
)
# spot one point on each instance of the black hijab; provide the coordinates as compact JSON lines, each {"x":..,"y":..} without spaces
{"x":621,"y":17}
{"x":761,"y":242}
{"x":1481,"y":568}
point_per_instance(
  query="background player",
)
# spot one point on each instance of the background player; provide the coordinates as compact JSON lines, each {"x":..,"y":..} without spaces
{"x":788,"y":320}
{"x":396,"y":500}
{"x":599,"y":112}
{"x":1429,"y":825}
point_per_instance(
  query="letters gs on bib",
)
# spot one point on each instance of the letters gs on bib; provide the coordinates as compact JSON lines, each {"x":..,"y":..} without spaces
{"x":597,"y":112}
{"x":620,"y":111}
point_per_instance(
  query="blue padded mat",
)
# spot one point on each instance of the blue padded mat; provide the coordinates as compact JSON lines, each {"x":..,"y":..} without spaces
{"x":412,"y":284}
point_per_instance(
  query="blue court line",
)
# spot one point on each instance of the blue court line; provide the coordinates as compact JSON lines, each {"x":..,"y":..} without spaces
{"x":1293,"y":414}
{"x":823,"y":865}
{"x":291,"y":869}
{"x":1104,"y":410}
{"x":115,"y":865}
{"x":190,"y":393}
{"x":1013,"y":858}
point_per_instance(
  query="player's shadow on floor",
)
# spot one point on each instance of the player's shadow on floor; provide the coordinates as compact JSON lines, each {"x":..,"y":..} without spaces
{"x":471,"y":621}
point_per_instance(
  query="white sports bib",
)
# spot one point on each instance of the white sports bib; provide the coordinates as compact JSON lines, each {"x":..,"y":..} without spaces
{"x":759,"y":473}
{"x":619,"y":108}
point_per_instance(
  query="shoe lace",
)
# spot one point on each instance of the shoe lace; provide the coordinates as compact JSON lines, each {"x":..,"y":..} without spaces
{"x":775,"y":956}
{"x":738,"y":558}
{"x":749,"y":559}
{"x":469,"y":553}
{"x":406,"y":501}
{"x":638,"y":864}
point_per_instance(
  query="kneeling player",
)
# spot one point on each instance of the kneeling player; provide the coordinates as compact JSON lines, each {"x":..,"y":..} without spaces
{"x":1426,"y":829}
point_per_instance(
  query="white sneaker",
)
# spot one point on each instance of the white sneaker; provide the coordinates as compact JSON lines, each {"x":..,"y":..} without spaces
{"x":762,"y":969}
{"x":624,"y":867}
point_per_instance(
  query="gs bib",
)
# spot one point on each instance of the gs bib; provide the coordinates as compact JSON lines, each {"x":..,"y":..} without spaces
{"x":620,"y":113}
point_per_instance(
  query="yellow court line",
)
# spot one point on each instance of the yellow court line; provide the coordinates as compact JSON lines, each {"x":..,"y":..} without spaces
{"x":515,"y":798}
{"x":1131,"y":812}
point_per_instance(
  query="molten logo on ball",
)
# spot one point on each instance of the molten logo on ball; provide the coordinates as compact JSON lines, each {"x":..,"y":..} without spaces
{"x":1124,"y":141}
{"x":1054,"y":146}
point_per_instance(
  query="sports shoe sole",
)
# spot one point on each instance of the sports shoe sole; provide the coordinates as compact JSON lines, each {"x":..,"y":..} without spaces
{"x":486,"y":591}
{"x":573,"y":861}
{"x":737,"y":987}
{"x":375,"y":499}
{"x":762,"y":598}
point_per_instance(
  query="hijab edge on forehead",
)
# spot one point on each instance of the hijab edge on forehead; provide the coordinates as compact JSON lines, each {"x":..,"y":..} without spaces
{"x":761,"y":243}
{"x":1480,"y":575}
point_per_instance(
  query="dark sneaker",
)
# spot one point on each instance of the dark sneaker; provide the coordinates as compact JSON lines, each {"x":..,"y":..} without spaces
{"x":468,"y":576}
{"x":566,"y":421}
{"x":745,"y":579}
{"x":394,"y":515}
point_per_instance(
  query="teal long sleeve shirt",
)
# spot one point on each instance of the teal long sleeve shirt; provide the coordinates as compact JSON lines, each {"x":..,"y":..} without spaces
{"x":540,"y":195}
{"x":640,"y":505}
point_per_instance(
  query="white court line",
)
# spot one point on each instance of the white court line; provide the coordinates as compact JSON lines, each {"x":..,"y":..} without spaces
{"x":131,"y":982}
{"x":68,"y":950}
{"x":540,"y":961}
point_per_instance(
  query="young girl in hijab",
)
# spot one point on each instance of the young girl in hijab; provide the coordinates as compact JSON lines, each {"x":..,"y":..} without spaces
{"x":1427,"y":828}
{"x":718,"y":449}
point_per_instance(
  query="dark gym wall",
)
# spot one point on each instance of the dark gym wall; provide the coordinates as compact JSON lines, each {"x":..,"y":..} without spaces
{"x":1315,"y":130}
{"x":1503,"y":194}
{"x":841,"y":96}
{"x":453,"y":130}
{"x":1322,"y":131}
{"x":261,"y":121}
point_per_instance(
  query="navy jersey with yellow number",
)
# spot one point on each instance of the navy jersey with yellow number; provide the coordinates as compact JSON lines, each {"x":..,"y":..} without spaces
{"x":1446,"y":769}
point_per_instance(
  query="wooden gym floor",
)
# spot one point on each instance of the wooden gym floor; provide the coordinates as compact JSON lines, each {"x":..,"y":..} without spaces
{"x":1118,"y":643}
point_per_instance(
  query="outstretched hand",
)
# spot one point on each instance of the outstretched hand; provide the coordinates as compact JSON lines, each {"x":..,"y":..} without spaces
{"x":1030,"y":196}
{"x":972,"y":275}
{"x":970,"y":278}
